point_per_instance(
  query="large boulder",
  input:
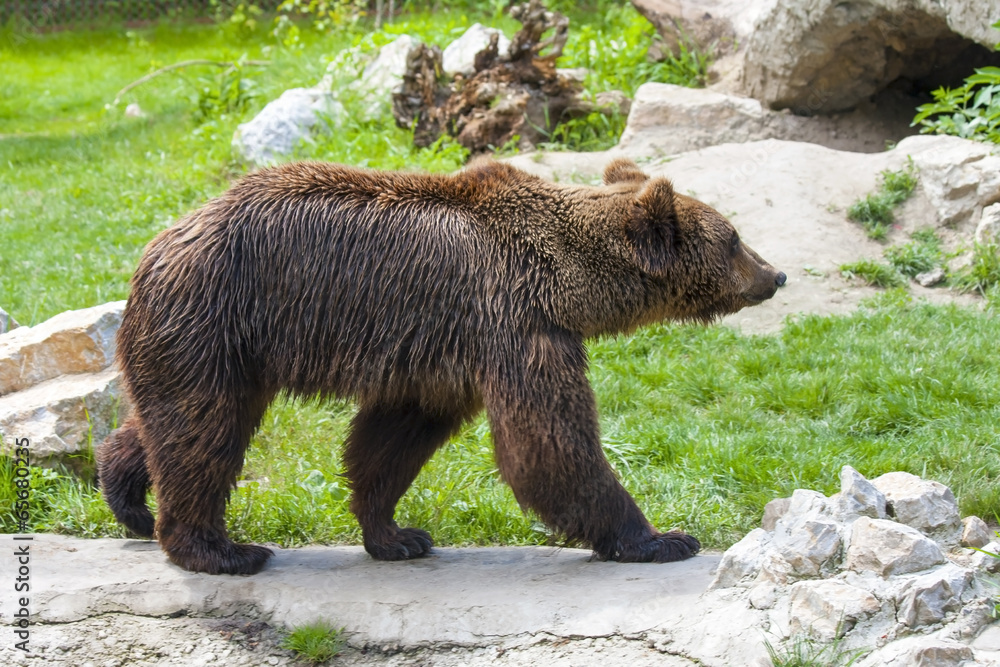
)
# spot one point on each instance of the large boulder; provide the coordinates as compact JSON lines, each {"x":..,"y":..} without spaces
{"x":459,"y":57}
{"x":77,"y":341}
{"x":283,"y":124}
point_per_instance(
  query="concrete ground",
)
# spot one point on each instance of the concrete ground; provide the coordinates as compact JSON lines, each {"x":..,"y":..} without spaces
{"x":119,"y":602}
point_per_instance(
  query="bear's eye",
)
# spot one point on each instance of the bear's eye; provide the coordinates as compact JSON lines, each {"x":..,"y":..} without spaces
{"x":734,"y":243}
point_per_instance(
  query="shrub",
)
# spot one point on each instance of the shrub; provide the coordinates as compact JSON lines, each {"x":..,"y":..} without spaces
{"x":874,"y":212}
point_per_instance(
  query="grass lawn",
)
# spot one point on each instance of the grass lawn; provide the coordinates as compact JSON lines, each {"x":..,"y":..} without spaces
{"x":704,"y":425}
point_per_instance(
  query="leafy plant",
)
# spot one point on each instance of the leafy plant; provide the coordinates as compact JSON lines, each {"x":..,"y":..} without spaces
{"x":314,"y":643}
{"x":322,"y":15}
{"x":874,"y":211}
{"x":983,"y":273}
{"x":873,"y":273}
{"x":804,"y":651}
{"x":228,"y":91}
{"x":921,"y":254}
{"x":594,"y":132}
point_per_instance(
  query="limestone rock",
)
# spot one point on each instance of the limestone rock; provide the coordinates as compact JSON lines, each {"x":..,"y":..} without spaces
{"x":821,"y":56}
{"x":7,"y":322}
{"x":459,"y":57}
{"x":925,"y":600}
{"x":807,"y":545}
{"x":889,"y":548}
{"x":931,"y":278}
{"x":975,"y":532}
{"x":959,"y":177}
{"x":696,"y":118}
{"x":773,"y":511}
{"x":77,"y":341}
{"x":383,"y":76}
{"x":742,"y":560}
{"x":923,"y":504}
{"x":284,"y":123}
{"x":63,"y":415}
{"x":827,"y":609}
{"x":859,"y":497}
{"x":920,"y":652}
{"x":988,"y":229}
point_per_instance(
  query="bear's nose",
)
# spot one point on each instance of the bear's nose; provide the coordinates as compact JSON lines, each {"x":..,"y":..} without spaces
{"x":780,"y":279}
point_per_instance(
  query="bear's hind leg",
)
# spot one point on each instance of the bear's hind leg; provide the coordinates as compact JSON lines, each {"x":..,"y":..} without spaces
{"x":193,"y":470}
{"x":124,"y":480}
{"x":384,"y":452}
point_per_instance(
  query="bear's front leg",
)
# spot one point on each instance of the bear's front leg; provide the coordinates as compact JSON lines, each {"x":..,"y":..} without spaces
{"x":384,"y":451}
{"x":547,"y":438}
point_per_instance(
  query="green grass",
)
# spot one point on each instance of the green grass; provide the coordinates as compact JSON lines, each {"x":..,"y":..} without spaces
{"x":315,"y":642}
{"x":982,"y":275}
{"x":804,"y":651}
{"x":874,"y":211}
{"x":873,"y":273}
{"x":704,"y":426}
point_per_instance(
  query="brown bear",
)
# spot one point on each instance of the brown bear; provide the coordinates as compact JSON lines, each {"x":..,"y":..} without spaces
{"x":424,"y":298}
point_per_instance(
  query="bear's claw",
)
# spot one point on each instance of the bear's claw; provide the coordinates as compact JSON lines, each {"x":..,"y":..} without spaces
{"x":403,"y":544}
{"x":662,"y":548}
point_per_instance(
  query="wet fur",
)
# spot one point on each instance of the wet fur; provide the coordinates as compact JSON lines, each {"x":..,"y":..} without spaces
{"x":425,"y":298}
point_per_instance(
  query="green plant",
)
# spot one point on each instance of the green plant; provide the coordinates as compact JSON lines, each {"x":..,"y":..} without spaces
{"x":594,"y":132}
{"x":315,"y":642}
{"x":921,"y":254}
{"x":983,"y":273}
{"x":874,"y":211}
{"x":323,"y":16}
{"x":873,"y":273}
{"x":971,"y":111}
{"x":804,"y":651}
{"x":228,"y":91}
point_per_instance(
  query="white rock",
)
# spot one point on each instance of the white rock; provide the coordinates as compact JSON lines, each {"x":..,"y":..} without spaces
{"x":960,"y":177}
{"x":926,"y":505}
{"x":975,"y":532}
{"x":384,"y":76}
{"x":63,"y":415}
{"x":859,"y":497}
{"x":773,"y":511}
{"x":807,"y":545}
{"x":988,"y":561}
{"x":459,"y":57}
{"x":988,"y":229}
{"x":283,"y":124}
{"x":133,"y":110}
{"x":920,"y":652}
{"x":926,"y":599}
{"x":77,"y":341}
{"x":7,"y":322}
{"x":827,"y":609}
{"x":742,"y":560}
{"x":889,"y":548}
{"x":931,"y":278}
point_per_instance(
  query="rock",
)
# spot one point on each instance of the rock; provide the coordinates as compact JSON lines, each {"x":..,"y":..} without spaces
{"x":383,"y":76}
{"x":667,"y":119}
{"x":931,"y":278}
{"x":77,"y":341}
{"x":807,"y":545}
{"x":889,"y":548}
{"x":925,"y":505}
{"x":988,"y":229}
{"x":829,"y":609}
{"x":773,"y":511}
{"x":283,"y":124}
{"x":709,"y":25}
{"x":859,"y":497}
{"x":926,"y":599}
{"x":459,"y":57}
{"x":63,"y":415}
{"x":988,"y":558}
{"x":133,"y":110}
{"x":920,"y":652}
{"x":975,"y":532}
{"x":615,"y":100}
{"x":742,"y":560}
{"x":7,"y":322}
{"x":959,"y":177}
{"x":822,"y":56}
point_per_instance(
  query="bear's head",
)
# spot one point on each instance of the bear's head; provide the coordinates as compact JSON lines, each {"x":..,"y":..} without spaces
{"x":690,"y":250}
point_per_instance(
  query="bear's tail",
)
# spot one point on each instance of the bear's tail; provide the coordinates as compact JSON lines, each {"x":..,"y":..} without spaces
{"x":124,"y":479}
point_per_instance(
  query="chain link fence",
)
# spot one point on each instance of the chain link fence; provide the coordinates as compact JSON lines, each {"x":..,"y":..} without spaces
{"x":83,"y":13}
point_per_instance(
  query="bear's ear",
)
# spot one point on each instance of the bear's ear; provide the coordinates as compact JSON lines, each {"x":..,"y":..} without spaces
{"x":623,"y":170}
{"x":652,"y":226}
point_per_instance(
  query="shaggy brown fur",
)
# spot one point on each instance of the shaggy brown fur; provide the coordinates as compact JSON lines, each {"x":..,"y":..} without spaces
{"x":425,"y":298}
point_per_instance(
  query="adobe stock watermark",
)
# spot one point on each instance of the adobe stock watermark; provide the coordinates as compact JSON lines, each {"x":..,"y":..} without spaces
{"x":22,"y":547}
